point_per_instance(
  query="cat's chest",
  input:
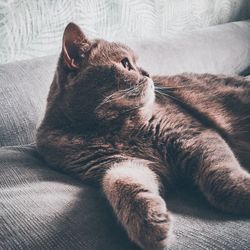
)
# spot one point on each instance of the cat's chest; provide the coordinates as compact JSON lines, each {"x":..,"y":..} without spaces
{"x":162,"y":135}
{"x":155,"y":139}
{"x":146,"y":143}
{"x":132,"y":145}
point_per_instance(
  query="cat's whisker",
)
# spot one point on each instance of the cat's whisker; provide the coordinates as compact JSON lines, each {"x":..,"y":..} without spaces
{"x":129,"y":110}
{"x":243,"y":118}
{"x":176,"y":87}
{"x":163,"y":88}
{"x":106,"y":100}
{"x":115,"y":96}
{"x":242,"y":131}
{"x":131,"y":90}
{"x":167,"y":95}
{"x":124,"y":90}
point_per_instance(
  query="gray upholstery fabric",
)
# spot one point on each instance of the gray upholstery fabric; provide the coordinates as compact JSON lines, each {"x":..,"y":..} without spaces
{"x":23,"y":92}
{"x":24,"y":85}
{"x":44,"y":209}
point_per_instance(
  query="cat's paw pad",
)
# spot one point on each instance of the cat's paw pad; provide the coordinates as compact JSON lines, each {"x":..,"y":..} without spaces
{"x":151,"y":229}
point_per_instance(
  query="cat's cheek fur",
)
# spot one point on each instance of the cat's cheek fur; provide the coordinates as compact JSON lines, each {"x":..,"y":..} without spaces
{"x":132,"y":190}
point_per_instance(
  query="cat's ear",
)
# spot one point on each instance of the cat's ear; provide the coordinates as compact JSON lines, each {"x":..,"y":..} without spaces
{"x":75,"y":46}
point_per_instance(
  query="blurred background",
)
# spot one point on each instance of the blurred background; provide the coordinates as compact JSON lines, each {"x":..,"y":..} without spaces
{"x":31,"y":28}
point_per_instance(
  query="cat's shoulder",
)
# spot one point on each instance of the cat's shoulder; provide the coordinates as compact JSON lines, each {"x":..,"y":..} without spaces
{"x":199,"y":79}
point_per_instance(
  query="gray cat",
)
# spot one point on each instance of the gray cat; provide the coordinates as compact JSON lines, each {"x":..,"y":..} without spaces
{"x":110,"y":124}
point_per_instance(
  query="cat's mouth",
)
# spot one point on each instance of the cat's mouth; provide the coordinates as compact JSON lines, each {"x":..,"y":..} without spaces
{"x":149,"y":92}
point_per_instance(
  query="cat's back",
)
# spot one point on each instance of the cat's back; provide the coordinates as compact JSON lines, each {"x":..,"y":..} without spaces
{"x":217,"y":102}
{"x":224,"y":100}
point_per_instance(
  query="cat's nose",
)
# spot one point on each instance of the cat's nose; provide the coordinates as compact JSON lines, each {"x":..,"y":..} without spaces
{"x":144,"y":72}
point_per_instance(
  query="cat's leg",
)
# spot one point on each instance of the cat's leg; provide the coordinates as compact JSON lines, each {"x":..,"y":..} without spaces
{"x":132,"y":189}
{"x":222,"y":180}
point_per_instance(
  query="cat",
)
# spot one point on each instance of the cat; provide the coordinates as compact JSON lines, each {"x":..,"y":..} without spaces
{"x":134,"y":136}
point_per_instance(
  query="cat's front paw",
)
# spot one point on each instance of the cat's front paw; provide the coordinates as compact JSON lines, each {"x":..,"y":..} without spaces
{"x":149,"y":222}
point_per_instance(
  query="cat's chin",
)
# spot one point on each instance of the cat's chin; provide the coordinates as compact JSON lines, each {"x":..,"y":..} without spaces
{"x":149,"y":96}
{"x":148,"y":99}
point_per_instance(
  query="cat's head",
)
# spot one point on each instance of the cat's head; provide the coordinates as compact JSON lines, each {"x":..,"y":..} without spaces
{"x":99,"y":80}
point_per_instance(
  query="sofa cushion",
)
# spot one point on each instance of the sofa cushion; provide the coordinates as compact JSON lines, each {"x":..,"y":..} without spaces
{"x":23,"y":92}
{"x":221,"y":49}
{"x":24,"y":85}
{"x":44,"y":209}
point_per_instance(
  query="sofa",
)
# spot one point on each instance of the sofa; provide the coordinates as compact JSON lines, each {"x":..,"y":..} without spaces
{"x":43,"y":208}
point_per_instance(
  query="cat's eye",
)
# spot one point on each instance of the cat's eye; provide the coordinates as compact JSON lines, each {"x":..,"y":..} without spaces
{"x":126,"y":64}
